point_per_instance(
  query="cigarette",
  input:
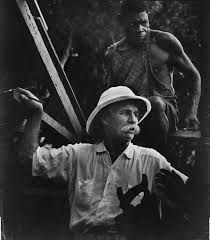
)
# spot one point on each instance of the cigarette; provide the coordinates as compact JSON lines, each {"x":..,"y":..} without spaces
{"x":12,"y":89}
{"x":17,"y":95}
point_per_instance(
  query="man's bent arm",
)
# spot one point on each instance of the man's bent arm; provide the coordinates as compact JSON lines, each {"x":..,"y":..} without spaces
{"x":195,"y":92}
{"x":184,"y":64}
{"x":194,"y":85}
{"x":30,"y":139}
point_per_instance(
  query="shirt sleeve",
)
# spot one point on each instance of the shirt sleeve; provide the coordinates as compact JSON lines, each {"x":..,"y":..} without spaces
{"x":152,"y":162}
{"x":162,"y":163}
{"x":54,"y":162}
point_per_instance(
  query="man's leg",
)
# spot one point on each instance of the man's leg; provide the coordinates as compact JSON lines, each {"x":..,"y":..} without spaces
{"x":156,"y":126}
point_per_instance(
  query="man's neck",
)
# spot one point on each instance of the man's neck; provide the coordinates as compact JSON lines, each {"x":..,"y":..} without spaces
{"x":115,"y":147}
{"x":130,"y":43}
{"x":140,"y":45}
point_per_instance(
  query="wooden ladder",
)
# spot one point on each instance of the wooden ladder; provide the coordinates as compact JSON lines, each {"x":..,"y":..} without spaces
{"x":38,"y":30}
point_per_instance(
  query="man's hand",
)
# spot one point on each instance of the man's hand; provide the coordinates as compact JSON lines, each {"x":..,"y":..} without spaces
{"x":190,"y":122}
{"x":170,"y":187}
{"x":30,"y":140}
{"x":175,"y":194}
{"x":135,"y":221}
{"x":127,"y":198}
{"x":28,"y":99}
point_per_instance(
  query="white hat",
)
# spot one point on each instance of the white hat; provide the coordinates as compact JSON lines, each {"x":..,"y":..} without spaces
{"x":112,"y":95}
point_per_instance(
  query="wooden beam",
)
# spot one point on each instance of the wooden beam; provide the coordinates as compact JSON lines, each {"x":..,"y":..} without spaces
{"x":186,"y":134}
{"x":60,"y":70}
{"x":44,"y":53}
{"x":40,"y":15}
{"x":58,"y":127}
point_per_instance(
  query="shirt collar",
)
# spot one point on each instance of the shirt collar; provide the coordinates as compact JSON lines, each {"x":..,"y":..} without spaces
{"x":128,"y":152}
{"x":100,"y":147}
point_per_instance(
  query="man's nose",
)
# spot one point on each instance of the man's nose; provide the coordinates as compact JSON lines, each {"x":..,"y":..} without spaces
{"x":132,"y":118}
{"x":140,"y":28}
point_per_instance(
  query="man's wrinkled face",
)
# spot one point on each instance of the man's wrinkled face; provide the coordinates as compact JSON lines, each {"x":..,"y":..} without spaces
{"x":121,"y":121}
{"x":136,"y":26}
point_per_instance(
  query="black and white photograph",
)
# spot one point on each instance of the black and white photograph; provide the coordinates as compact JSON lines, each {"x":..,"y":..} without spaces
{"x":104,"y":120}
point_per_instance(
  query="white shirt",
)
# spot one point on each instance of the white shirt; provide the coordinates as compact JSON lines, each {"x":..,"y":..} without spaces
{"x":93,"y":179}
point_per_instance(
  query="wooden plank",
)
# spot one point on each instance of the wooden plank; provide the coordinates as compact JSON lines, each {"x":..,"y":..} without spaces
{"x":40,"y":15}
{"x":60,"y":71}
{"x":28,"y":17}
{"x":186,"y":134}
{"x":58,"y":127}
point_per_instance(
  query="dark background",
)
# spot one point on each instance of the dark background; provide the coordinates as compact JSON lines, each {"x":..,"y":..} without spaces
{"x":81,"y":31}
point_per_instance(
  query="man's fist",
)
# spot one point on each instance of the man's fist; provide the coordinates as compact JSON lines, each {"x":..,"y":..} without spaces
{"x":170,"y":187}
{"x":28,"y":99}
{"x":135,"y":222}
{"x":127,"y":198}
{"x":190,"y":122}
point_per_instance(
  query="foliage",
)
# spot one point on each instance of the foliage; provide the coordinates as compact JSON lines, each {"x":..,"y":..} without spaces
{"x":90,"y":26}
{"x":96,"y":21}
{"x":183,"y":20}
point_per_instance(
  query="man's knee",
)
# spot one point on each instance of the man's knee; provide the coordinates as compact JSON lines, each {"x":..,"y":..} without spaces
{"x":158,"y":105}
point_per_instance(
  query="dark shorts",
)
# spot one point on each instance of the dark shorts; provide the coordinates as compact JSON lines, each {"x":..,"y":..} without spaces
{"x":171,"y":113}
{"x":151,"y":134}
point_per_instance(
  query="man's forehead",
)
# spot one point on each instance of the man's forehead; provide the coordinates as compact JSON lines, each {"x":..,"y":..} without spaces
{"x":124,"y":104}
{"x":131,"y":17}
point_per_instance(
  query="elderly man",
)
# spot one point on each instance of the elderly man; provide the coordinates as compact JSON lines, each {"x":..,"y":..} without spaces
{"x":144,"y":60}
{"x":94,"y":172}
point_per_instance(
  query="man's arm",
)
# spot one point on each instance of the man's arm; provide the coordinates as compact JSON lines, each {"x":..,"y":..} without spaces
{"x":30,"y":141}
{"x":108,"y":72}
{"x":182,"y":62}
{"x":174,"y":191}
{"x":56,"y":163}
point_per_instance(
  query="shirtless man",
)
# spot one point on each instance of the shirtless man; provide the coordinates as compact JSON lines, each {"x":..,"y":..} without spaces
{"x":144,"y":60}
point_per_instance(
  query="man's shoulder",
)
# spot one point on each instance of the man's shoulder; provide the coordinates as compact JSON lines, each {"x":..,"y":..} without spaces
{"x":148,"y":152}
{"x":112,"y":48}
{"x":83,"y":152}
{"x":83,"y":147}
{"x":166,"y":41}
{"x":149,"y":157}
{"x":159,"y":35}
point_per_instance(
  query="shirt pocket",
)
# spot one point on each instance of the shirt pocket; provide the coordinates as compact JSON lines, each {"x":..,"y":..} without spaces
{"x":84,"y":193}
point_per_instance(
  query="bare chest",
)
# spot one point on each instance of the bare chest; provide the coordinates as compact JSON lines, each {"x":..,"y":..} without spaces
{"x":159,"y":59}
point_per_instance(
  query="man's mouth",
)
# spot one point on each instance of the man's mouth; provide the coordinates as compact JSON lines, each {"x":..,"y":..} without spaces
{"x":131,"y":129}
{"x":141,"y":35}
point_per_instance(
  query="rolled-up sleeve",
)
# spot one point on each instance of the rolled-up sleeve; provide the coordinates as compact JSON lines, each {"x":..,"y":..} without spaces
{"x":54,"y":162}
{"x":162,"y":163}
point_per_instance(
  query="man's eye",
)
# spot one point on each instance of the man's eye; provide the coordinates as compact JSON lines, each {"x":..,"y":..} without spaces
{"x":136,"y":24}
{"x":137,"y":114}
{"x":124,"y":112}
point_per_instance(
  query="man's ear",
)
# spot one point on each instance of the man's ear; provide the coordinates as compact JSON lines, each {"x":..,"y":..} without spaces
{"x":103,"y":117}
{"x":104,"y":121}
